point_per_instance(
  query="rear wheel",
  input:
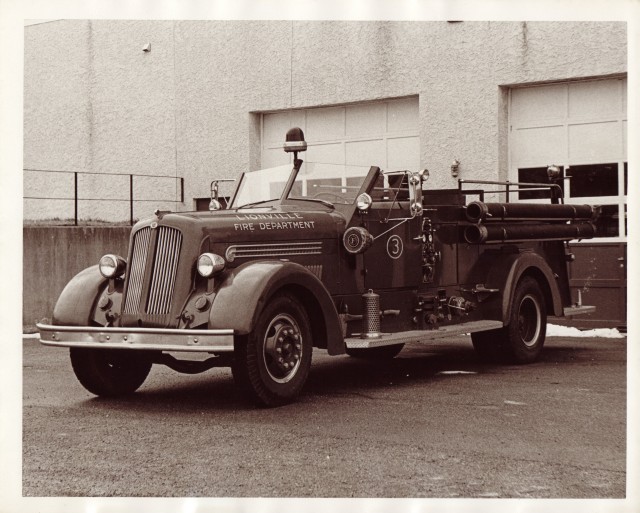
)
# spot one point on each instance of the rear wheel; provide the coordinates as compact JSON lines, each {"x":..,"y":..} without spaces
{"x":376,"y":353}
{"x":527,"y":328}
{"x":272,"y":363}
{"x":109,"y":372}
{"x":522,"y":338}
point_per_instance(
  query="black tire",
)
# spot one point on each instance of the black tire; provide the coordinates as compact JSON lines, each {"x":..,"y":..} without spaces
{"x":522,"y":338}
{"x":527,"y":328}
{"x":109,"y":372}
{"x":272,"y":363}
{"x":376,"y":353}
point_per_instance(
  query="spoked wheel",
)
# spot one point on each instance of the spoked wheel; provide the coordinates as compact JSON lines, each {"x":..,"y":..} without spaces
{"x":272,"y":363}
{"x":376,"y":353}
{"x":109,"y":372}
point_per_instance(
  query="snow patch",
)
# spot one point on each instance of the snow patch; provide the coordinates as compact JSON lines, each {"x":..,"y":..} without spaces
{"x":554,"y":330}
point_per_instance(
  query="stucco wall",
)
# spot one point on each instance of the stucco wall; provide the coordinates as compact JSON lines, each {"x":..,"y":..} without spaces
{"x":94,"y":101}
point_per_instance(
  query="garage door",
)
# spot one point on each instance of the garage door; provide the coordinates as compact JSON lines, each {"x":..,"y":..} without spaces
{"x":581,"y":127}
{"x":383,"y":134}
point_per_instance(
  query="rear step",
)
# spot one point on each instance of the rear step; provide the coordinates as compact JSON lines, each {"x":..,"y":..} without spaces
{"x":389,"y":339}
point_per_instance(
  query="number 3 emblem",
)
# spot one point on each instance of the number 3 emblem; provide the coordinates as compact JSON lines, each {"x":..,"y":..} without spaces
{"x":394,"y":246}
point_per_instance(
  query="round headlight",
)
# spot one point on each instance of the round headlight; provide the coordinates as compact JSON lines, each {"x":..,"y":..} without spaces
{"x":112,"y":266}
{"x":364,"y":201}
{"x":209,"y":264}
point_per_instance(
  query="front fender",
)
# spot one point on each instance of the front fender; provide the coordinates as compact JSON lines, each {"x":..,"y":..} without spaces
{"x":246,"y":289}
{"x":78,"y":299}
{"x":505,"y":275}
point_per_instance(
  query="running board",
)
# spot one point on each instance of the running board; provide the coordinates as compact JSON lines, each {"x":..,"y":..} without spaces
{"x":389,"y":339}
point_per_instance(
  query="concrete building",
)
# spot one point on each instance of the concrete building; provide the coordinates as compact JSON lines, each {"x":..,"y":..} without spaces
{"x":179,"y":103}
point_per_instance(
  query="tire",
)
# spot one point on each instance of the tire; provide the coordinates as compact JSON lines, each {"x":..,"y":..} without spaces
{"x":109,"y":372}
{"x":522,"y":338}
{"x":376,"y":353}
{"x":272,"y":363}
{"x":527,"y":328}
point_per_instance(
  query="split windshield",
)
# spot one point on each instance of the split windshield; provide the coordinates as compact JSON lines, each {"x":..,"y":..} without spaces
{"x":333,"y":183}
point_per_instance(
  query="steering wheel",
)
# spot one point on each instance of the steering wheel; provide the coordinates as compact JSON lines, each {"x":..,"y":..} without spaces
{"x":330,"y":194}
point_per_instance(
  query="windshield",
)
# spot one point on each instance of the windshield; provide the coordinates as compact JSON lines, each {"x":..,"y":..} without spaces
{"x":262,"y":185}
{"x":336,"y":183}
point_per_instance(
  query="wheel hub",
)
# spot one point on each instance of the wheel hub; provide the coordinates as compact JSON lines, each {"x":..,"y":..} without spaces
{"x":282,"y":348}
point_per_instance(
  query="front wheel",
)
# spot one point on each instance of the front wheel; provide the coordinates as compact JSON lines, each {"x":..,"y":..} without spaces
{"x":272,"y":363}
{"x":109,"y":372}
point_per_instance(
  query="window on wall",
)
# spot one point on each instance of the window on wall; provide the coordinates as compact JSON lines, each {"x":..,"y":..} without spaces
{"x":581,"y":127}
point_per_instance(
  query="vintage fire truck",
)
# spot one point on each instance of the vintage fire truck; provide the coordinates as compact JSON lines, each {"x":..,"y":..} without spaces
{"x":309,"y":255}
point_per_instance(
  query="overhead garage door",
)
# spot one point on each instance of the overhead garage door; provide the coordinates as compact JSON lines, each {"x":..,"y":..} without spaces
{"x":383,"y":134}
{"x":582,"y":127}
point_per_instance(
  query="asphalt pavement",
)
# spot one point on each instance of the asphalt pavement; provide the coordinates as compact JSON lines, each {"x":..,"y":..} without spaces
{"x":433,"y":422}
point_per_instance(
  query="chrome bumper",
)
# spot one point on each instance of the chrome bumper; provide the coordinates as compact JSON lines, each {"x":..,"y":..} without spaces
{"x":150,"y":339}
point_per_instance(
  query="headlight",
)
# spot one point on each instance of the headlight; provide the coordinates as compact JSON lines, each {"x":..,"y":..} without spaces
{"x":112,"y":266}
{"x":363,"y":202}
{"x":209,"y":264}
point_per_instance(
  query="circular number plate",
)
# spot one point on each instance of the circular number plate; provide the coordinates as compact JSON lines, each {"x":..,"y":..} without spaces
{"x":394,"y":246}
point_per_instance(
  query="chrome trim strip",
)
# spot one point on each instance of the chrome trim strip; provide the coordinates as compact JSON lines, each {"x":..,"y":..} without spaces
{"x":273,"y":250}
{"x":153,"y":339}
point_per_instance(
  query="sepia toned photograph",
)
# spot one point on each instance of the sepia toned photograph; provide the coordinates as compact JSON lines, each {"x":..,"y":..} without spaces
{"x":302,"y":259}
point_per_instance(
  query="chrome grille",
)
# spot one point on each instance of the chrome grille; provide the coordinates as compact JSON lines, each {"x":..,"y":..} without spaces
{"x":164,"y":270}
{"x":136,"y":272}
{"x":273,"y":250}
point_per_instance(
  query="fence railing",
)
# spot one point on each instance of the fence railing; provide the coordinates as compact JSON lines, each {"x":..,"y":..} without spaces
{"x":130,"y":199}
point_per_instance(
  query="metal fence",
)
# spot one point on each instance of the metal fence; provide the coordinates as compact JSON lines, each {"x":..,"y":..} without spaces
{"x":130,"y":198}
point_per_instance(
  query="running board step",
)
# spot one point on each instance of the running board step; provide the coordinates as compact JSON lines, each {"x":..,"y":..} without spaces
{"x":389,"y":339}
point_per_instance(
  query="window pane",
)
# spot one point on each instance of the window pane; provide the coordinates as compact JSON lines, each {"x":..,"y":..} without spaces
{"x":625,"y":179}
{"x":607,"y":222}
{"x":536,"y":175}
{"x":594,"y":180}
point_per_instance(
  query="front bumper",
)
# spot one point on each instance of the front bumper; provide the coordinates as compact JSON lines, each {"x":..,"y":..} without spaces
{"x":147,"y":339}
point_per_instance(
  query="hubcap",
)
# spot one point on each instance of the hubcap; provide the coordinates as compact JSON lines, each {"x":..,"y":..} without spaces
{"x":529,"y":321}
{"x":282,"y":348}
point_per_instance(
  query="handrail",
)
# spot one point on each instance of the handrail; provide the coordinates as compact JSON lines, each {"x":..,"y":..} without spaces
{"x":131,"y":200}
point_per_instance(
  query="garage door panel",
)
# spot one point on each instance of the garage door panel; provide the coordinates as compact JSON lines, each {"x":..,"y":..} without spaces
{"x":595,"y":141}
{"x":365,"y":120}
{"x":403,"y":154}
{"x":402,"y":115}
{"x":325,"y":124}
{"x":543,"y":144}
{"x":595,"y":99}
{"x":366,"y":153}
{"x":272,"y":157}
{"x":328,"y":153}
{"x":275,"y":126}
{"x":534,"y":104}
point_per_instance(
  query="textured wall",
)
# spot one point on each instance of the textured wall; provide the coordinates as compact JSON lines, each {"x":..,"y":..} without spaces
{"x":54,"y":255}
{"x":95,"y":102}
